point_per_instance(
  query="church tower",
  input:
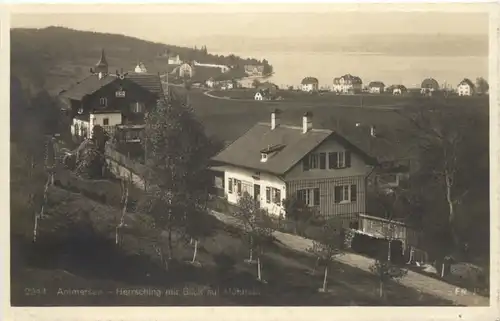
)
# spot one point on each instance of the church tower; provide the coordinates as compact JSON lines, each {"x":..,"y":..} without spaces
{"x":102,"y":66}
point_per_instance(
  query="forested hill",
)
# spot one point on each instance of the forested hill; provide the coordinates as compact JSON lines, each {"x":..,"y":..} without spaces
{"x":50,"y":57}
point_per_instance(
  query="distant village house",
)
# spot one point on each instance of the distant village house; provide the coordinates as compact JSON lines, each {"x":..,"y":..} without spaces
{"x":310,"y":84}
{"x":466,"y":88}
{"x":254,"y":70}
{"x":347,"y":84}
{"x":140,"y":68}
{"x":376,"y":87}
{"x":429,"y":86}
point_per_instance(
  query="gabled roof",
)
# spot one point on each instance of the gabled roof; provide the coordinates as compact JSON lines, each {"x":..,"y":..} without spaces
{"x":376,"y":84}
{"x":294,"y":145}
{"x":348,"y":77}
{"x":151,"y":82}
{"x":92,"y":83}
{"x":467,"y":81}
{"x":430,"y":83}
{"x":87,"y":86}
{"x":309,"y":80}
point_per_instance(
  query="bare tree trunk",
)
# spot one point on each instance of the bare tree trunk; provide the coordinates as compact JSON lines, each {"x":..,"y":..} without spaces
{"x":195,"y":251}
{"x":125,"y":197}
{"x":389,"y":250}
{"x":381,"y":288}
{"x":315,"y":266}
{"x":325,"y":278}
{"x":451,"y":208}
{"x":442,"y":269}
{"x":259,"y":275}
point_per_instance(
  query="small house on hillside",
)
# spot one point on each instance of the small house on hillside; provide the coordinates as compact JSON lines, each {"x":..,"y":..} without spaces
{"x":186,"y":70}
{"x":266,"y":91}
{"x":273,"y":161}
{"x":466,"y":88}
{"x":310,"y":84}
{"x":376,"y":87}
{"x":175,"y":60}
{"x":254,"y":70}
{"x":347,"y":84}
{"x":140,"y":68}
{"x":429,"y":86}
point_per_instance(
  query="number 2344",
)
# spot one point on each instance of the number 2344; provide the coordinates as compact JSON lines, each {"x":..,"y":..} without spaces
{"x":35,"y":291}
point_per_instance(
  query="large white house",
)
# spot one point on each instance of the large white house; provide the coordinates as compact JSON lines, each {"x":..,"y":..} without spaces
{"x":347,"y":84}
{"x":272,"y":162}
{"x":466,"y":88}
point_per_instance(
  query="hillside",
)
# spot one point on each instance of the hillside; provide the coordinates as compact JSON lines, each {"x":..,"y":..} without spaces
{"x":51,"y":57}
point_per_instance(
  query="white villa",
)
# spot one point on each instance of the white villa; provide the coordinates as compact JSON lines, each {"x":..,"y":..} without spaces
{"x":140,"y":68}
{"x":309,"y":84}
{"x":347,"y":84}
{"x":273,"y":161}
{"x":466,"y":88}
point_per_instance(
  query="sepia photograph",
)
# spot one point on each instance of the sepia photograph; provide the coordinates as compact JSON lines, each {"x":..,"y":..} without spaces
{"x":200,"y":156}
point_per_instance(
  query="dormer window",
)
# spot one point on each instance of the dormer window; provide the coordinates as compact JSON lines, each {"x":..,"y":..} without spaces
{"x":263,"y":157}
{"x":269,"y":151}
{"x":103,"y":102}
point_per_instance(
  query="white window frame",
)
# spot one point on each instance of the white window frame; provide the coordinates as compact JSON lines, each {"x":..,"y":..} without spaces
{"x":103,"y":102}
{"x":345,"y":194}
{"x":309,"y":197}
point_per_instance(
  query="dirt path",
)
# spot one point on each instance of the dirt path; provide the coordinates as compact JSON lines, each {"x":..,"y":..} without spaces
{"x":413,"y":280}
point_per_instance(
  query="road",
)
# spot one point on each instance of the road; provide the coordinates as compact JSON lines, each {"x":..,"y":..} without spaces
{"x":419,"y":282}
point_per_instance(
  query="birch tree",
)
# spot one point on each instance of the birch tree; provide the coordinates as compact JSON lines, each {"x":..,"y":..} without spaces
{"x":178,"y":152}
{"x":453,"y":174}
{"x":329,"y":247}
{"x":258,"y":229}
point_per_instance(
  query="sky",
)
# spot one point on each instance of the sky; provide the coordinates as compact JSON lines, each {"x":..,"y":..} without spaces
{"x":182,"y":26}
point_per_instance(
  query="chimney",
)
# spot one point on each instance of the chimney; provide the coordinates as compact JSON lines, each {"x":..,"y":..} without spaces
{"x":306,"y":122}
{"x":275,"y":121}
{"x":372,"y":131}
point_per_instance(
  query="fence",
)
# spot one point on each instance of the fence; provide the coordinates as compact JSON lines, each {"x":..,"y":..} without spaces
{"x":122,"y":166}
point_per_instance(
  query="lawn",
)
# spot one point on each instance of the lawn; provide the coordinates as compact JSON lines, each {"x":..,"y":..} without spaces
{"x":76,"y":251}
{"x":229,"y":119}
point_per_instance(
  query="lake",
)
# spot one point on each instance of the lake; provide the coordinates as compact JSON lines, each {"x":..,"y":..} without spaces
{"x":291,"y":67}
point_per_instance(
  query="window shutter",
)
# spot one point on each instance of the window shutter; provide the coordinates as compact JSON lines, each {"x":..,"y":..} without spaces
{"x":301,"y":195}
{"x":316,"y":196}
{"x":268,"y":195}
{"x":347,"y":158}
{"x":353,"y":193}
{"x":322,"y":160}
{"x":305,"y":163}
{"x":277,"y":196}
{"x":334,"y":160}
{"x":331,"y":160}
{"x":230,"y":185}
{"x":338,"y":194}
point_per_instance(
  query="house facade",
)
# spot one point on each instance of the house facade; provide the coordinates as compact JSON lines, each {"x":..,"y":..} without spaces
{"x":347,"y":84}
{"x":429,"y":86}
{"x":397,"y":90}
{"x":272,"y":162}
{"x":254,"y":70}
{"x":140,"y":68}
{"x":186,"y":71}
{"x":309,"y":84}
{"x":117,"y":102}
{"x":466,"y":88}
{"x":376,"y":87}
{"x":175,"y":60}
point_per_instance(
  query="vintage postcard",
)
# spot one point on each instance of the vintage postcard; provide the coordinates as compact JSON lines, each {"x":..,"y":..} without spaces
{"x":269,"y":161}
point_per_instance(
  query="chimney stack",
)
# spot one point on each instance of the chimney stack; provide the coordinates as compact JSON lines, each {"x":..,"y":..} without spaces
{"x":275,"y":118}
{"x":306,"y":122}
{"x":372,"y":131}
